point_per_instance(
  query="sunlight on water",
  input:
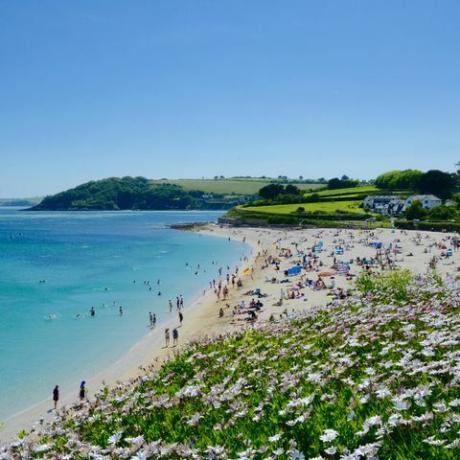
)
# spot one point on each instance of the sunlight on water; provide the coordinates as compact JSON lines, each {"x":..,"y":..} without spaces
{"x":55,"y":266}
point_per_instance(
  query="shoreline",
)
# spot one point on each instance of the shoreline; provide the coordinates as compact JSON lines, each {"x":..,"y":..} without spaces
{"x":148,"y":350}
{"x":202,"y":318}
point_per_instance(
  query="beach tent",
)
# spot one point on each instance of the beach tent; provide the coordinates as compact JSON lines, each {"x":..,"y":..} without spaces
{"x":295,"y":270}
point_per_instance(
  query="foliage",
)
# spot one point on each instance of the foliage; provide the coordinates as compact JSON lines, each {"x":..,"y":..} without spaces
{"x":271,"y":191}
{"x":126,"y":193}
{"x":279,"y":191}
{"x":435,"y":226}
{"x":393,"y":284}
{"x":438,"y":183}
{"x":415,"y":211}
{"x":406,"y":179}
{"x":337,"y":183}
{"x":368,"y":377}
{"x":442,"y":213}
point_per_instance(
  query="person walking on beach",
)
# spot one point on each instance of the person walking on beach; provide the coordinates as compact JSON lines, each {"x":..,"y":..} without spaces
{"x":175,"y":336}
{"x":56,"y":396}
{"x":82,"y":392}
{"x":167,"y":338}
{"x":154,"y":319}
{"x":181,"y":318}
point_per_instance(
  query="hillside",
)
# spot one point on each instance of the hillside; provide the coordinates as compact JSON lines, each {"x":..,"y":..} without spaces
{"x":146,"y":194}
{"x":372,"y":376}
{"x":243,"y":186}
{"x":131,"y":193}
{"x":337,"y":208}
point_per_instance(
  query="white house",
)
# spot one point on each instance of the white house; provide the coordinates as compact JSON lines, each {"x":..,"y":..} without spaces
{"x":373,"y":201}
{"x":383,"y":204}
{"x":428,"y":201}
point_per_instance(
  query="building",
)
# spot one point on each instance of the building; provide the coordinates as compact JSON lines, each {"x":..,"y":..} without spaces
{"x":428,"y":201}
{"x":383,"y":204}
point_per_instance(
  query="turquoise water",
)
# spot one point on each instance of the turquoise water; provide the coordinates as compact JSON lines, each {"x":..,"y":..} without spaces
{"x":90,"y":259}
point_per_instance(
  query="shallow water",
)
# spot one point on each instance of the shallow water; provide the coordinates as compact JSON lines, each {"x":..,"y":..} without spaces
{"x":90,"y":259}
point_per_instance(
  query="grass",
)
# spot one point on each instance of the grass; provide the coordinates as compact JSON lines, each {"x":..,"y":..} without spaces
{"x":352,"y":191}
{"x":368,"y":377}
{"x":326,"y":207}
{"x":228,"y":186}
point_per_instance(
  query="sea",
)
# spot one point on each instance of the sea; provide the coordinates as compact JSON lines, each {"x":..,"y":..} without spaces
{"x":55,"y":266}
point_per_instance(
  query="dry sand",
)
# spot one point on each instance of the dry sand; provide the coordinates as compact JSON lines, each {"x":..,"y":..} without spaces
{"x":202,"y":318}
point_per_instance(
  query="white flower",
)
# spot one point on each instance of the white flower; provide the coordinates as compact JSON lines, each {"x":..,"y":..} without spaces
{"x":194,"y":419}
{"x":275,"y":437}
{"x":297,"y":455}
{"x":314,"y":377}
{"x":115,"y":438}
{"x":383,"y":392}
{"x":331,"y":450}
{"x":136,"y":440}
{"x":329,"y":435}
{"x":141,"y":455}
{"x":41,"y":448}
{"x":434,"y":442}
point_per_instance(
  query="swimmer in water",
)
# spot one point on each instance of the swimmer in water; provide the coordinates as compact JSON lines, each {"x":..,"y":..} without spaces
{"x":121,"y":310}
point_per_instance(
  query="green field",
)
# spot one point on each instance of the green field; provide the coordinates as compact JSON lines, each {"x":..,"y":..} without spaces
{"x":228,"y":186}
{"x":349,"y":192}
{"x":327,"y":207}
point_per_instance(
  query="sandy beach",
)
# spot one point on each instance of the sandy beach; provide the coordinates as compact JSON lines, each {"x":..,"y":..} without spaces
{"x":273,"y":252}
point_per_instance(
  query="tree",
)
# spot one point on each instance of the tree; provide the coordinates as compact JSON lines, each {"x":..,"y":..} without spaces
{"x":415,"y":211}
{"x":291,"y":190}
{"x":336,"y":183}
{"x":271,"y":191}
{"x":439,"y":183}
{"x":406,"y":179}
{"x":443,"y":213}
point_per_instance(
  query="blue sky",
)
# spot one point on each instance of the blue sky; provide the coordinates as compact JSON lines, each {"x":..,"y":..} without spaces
{"x":191,"y":88}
